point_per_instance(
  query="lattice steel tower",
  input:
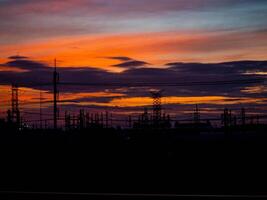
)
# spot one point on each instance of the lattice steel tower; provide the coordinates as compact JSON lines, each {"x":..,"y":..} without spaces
{"x":156,"y":95}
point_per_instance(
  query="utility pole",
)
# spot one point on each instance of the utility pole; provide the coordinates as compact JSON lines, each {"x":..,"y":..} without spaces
{"x":106,"y":119}
{"x":15,"y":114}
{"x":243,"y":116}
{"x":196,"y":115}
{"x":56,"y":94}
{"x":41,"y":114}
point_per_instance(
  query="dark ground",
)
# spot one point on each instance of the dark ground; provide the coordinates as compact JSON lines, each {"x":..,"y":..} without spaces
{"x":146,"y":162}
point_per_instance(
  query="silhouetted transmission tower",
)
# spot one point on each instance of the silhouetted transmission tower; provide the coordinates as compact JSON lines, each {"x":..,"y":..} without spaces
{"x":156,"y":95}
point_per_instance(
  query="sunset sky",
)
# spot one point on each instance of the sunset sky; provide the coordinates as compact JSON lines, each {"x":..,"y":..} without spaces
{"x":135,"y":41}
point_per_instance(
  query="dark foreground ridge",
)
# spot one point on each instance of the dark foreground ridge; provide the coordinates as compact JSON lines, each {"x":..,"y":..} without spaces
{"x":135,"y":161}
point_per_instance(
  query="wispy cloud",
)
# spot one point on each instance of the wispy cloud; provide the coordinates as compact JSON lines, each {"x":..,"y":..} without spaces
{"x":25,"y":20}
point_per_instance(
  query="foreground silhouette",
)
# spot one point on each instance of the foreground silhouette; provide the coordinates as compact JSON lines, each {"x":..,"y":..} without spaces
{"x":184,"y":161}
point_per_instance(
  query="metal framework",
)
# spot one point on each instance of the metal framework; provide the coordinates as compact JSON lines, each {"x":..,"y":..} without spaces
{"x":156,"y":95}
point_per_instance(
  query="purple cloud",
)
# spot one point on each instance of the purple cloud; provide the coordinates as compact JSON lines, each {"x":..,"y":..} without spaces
{"x":120,"y":58}
{"x":131,"y":64}
{"x":17,"y":57}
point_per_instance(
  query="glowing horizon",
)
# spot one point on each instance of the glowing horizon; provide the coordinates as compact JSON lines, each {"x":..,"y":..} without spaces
{"x":129,"y":41}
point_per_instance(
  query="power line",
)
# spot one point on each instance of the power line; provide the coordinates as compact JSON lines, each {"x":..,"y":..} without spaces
{"x":120,"y":84}
{"x":240,"y":81}
{"x":35,"y":113}
{"x":146,"y":84}
{"x":136,"y":119}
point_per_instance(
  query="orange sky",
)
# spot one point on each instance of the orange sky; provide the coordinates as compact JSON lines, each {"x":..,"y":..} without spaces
{"x":83,"y":33}
{"x":31,"y":97}
{"x":147,"y":101}
{"x":87,"y":33}
{"x":155,"y":48}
